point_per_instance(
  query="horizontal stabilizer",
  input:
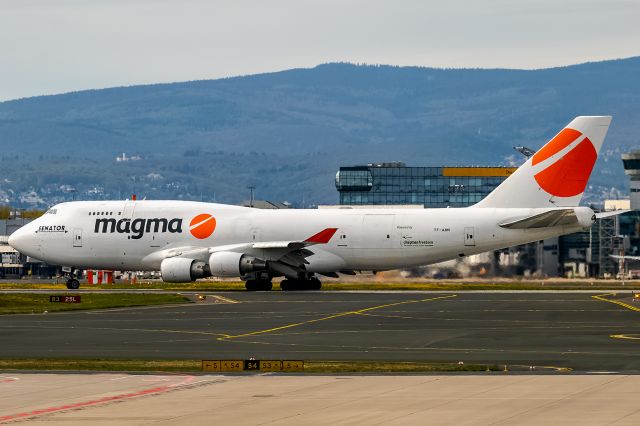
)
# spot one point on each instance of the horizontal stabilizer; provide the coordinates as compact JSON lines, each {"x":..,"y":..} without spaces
{"x":618,"y":257}
{"x":611,"y":213}
{"x":543,"y":220}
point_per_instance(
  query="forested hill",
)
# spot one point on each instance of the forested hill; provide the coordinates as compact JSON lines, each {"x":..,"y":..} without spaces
{"x":288,"y":132}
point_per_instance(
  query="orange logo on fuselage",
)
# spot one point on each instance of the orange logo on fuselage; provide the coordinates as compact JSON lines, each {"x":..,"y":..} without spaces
{"x":567,"y":176}
{"x":202,"y":226}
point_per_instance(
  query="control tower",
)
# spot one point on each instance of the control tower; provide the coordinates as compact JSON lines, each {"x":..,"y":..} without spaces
{"x":631,"y":161}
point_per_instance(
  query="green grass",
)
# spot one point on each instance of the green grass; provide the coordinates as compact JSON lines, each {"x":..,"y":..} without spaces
{"x":101,"y":365}
{"x":392,"y":367}
{"x":500,"y":285}
{"x":326,"y":367}
{"x":38,"y":303}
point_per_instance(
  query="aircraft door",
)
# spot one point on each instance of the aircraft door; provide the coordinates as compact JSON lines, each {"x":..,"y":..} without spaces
{"x":469,"y":236}
{"x":343,"y":238}
{"x":127,"y":212}
{"x":376,"y":232}
{"x":77,"y":237}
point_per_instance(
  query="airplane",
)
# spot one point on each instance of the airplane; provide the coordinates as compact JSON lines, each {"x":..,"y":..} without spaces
{"x":188,"y":240}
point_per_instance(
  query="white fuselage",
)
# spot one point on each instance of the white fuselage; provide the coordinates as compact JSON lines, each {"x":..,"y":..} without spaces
{"x":136,"y":235}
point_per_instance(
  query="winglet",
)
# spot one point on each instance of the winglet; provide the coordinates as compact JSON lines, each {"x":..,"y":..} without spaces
{"x":322,"y":237}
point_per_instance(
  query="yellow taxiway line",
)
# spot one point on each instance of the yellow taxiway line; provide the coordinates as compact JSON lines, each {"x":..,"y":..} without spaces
{"x":603,"y":298}
{"x":624,"y":336}
{"x":617,"y":302}
{"x":341,"y":314}
{"x":224,"y":299}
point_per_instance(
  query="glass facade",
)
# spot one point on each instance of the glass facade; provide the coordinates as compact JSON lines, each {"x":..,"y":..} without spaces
{"x":395,"y":183}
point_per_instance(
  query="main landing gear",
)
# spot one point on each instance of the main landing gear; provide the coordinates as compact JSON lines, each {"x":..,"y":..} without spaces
{"x":264,"y":284}
{"x":258,"y":285}
{"x":311,"y":283}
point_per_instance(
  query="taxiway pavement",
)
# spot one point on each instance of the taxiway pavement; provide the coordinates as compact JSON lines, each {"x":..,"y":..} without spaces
{"x":562,"y":329}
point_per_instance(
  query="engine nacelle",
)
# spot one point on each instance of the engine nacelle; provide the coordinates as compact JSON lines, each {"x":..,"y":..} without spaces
{"x":586,"y":217}
{"x":180,"y":269}
{"x":231,"y":264}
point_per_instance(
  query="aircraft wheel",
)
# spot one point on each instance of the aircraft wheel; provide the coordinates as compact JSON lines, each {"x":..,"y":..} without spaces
{"x":310,"y":284}
{"x":265,"y":285}
{"x":290,"y":285}
{"x":315,"y":284}
{"x":73,"y":284}
{"x":251,"y":285}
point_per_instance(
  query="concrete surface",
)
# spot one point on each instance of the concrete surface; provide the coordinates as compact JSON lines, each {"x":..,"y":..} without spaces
{"x":95,"y":399}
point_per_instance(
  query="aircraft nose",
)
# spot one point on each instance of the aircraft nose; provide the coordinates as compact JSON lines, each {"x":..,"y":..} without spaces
{"x":22,"y":240}
{"x":14,"y":240}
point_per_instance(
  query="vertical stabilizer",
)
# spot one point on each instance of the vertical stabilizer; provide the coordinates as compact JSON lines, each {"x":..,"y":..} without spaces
{"x":557,"y":174}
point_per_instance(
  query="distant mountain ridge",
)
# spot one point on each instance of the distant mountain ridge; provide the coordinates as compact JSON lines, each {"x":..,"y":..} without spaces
{"x":288,"y":132}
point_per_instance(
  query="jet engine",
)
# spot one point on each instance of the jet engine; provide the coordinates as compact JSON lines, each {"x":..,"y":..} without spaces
{"x":586,"y":217}
{"x":180,"y":269}
{"x":231,"y":264}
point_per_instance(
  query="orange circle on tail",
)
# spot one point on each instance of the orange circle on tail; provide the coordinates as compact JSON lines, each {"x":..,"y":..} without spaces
{"x":568,"y":176}
{"x":202,"y":226}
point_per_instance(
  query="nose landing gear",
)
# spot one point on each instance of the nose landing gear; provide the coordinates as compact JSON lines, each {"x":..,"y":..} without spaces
{"x":72,"y":281}
{"x":73,"y":284}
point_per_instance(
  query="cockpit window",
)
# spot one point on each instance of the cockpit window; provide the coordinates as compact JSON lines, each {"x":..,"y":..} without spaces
{"x":52,"y":211}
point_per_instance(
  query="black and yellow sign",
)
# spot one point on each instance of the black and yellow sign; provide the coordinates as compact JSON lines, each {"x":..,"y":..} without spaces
{"x":65,"y":299}
{"x":270,"y":365}
{"x":211,"y":365}
{"x":292,"y":366}
{"x":251,"y":364}
{"x":230,"y":366}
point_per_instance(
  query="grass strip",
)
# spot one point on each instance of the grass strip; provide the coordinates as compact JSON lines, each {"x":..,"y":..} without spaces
{"x":186,"y":366}
{"x":39,"y":303}
{"x":392,"y":367}
{"x":101,"y":365}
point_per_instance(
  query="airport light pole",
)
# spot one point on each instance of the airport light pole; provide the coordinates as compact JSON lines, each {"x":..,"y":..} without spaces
{"x":251,"y":188}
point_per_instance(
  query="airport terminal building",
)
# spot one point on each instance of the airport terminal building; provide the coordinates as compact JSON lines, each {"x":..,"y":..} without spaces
{"x":432,"y":187}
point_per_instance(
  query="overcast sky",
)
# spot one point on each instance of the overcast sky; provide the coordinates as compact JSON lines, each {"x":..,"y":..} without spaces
{"x":54,"y":46}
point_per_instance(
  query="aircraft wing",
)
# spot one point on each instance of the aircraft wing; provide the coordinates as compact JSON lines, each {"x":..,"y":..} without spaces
{"x":321,"y":237}
{"x":555,"y":217}
{"x":286,"y":257}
